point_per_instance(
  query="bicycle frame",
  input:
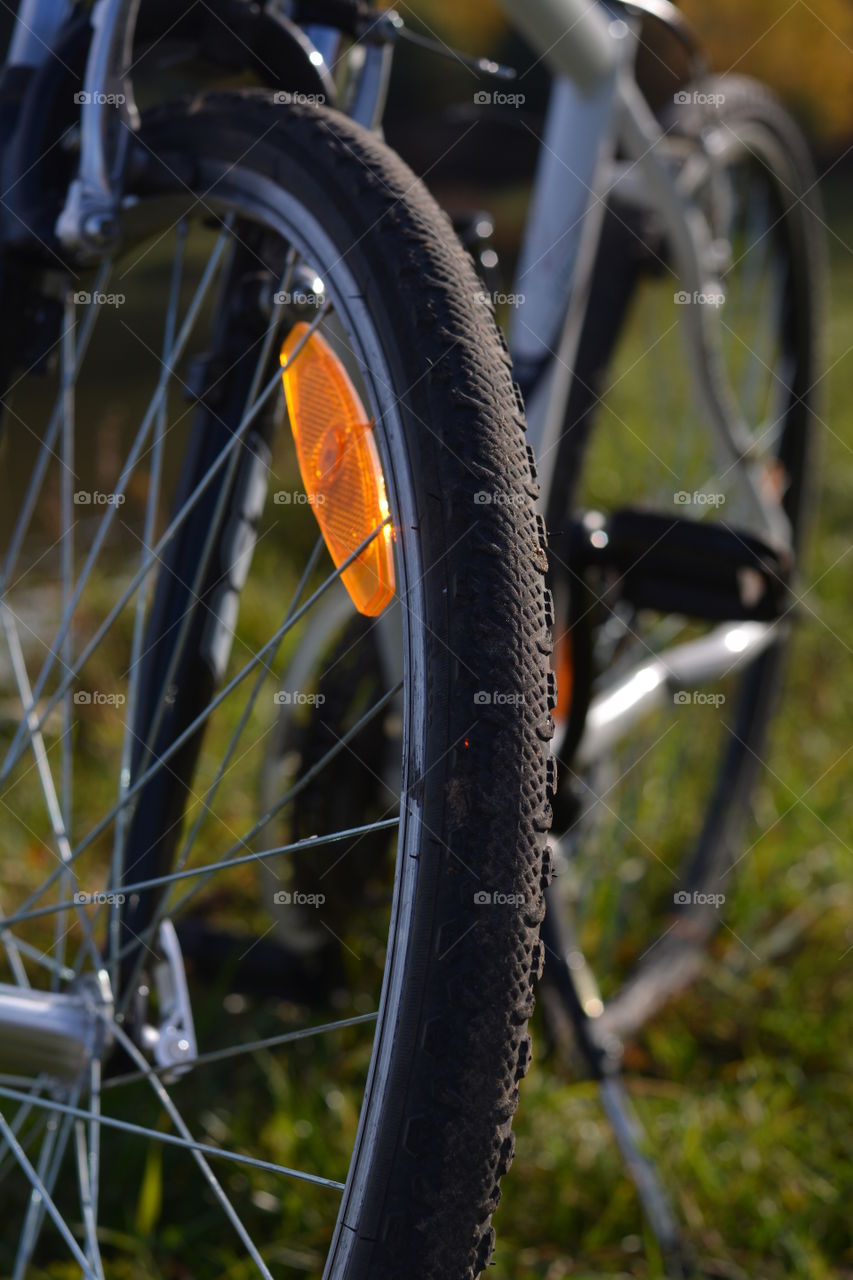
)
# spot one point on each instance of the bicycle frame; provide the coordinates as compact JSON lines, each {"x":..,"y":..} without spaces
{"x":597,"y":112}
{"x":601,"y":143}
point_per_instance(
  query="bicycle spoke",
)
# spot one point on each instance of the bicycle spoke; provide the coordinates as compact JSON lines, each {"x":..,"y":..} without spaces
{"x":40,"y":1189}
{"x":155,"y":882}
{"x":207,"y":800}
{"x":154,"y":557}
{"x":43,"y":769}
{"x":94,"y":1167}
{"x":21,"y":1116}
{"x":12,"y":948}
{"x":215,"y":520}
{"x":204,"y":715}
{"x":152,"y":501}
{"x":210,"y":794}
{"x":214,"y":525}
{"x":768,"y":313}
{"x":274,"y":327}
{"x":67,"y":573}
{"x":130,"y":590}
{"x":87,"y":1206}
{"x":274,"y":383}
{"x":57,"y":1155}
{"x":207,"y":1173}
{"x":294,"y":791}
{"x":33,"y":1216}
{"x":46,"y":451}
{"x":755,"y":255}
{"x":15,"y":750}
{"x":64,"y":971}
{"x":253,"y":1046}
{"x":170,"y":1139}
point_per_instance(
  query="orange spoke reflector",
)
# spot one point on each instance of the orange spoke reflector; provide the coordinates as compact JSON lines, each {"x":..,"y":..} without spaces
{"x":340,"y":467}
{"x":564,"y":668}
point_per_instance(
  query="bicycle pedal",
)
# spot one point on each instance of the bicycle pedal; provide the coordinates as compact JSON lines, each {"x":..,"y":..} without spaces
{"x":671,"y":564}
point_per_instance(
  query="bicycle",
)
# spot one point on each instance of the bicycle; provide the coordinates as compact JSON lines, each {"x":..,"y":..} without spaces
{"x":664,"y":323}
{"x":175,"y":1097}
{"x":676,"y":534}
{"x":603,"y":212}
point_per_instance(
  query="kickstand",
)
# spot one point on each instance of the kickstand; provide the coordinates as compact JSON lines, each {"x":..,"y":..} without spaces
{"x":575,"y":985}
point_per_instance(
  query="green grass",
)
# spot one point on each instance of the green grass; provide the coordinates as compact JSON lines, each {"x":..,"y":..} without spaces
{"x":744,"y":1082}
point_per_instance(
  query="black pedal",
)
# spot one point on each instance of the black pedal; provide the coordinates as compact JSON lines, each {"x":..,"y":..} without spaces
{"x":703,"y":569}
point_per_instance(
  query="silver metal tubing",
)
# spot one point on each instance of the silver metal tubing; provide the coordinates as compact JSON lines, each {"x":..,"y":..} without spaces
{"x":633,"y":1143}
{"x":89,"y":218}
{"x":37,"y":25}
{"x":573,"y":35}
{"x":367,"y":105}
{"x":690,"y":239}
{"x":51,"y":1033}
{"x":671,"y":676}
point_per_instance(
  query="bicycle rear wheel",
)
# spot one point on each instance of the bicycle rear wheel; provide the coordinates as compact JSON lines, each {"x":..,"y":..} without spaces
{"x":652,"y":823}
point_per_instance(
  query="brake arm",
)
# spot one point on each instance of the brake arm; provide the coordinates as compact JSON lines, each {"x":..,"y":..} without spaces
{"x":89,"y":221}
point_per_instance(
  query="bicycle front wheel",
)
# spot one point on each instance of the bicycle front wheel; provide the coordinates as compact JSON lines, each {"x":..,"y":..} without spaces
{"x":233,"y":1128}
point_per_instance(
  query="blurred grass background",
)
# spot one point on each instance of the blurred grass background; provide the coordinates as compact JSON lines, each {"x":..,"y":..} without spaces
{"x":744,"y":1083}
